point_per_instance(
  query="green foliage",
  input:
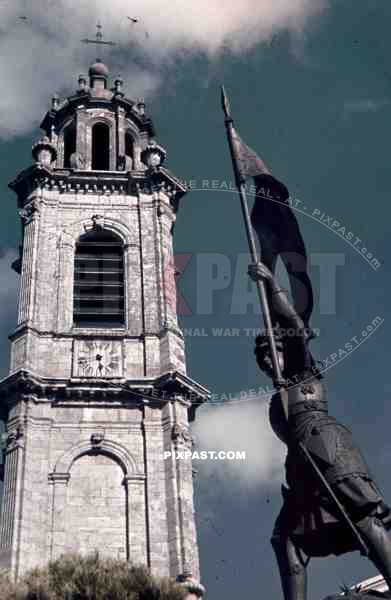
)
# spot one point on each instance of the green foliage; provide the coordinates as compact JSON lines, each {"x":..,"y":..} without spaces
{"x":73,"y":577}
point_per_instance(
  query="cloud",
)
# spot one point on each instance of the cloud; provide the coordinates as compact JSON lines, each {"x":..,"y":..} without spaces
{"x":9,"y":282}
{"x":43,"y":54}
{"x":240,"y":426}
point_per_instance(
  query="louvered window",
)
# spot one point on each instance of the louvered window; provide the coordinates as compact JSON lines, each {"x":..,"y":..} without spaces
{"x":99,"y":280}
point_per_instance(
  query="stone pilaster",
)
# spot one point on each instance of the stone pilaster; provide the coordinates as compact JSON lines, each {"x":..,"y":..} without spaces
{"x":182,"y":442}
{"x":134,"y":290}
{"x":57,"y":508}
{"x":137,"y":520}
{"x":66,"y":249}
{"x":30,"y":218}
{"x":11,"y":502}
{"x":167,"y":271}
{"x":156,"y":496}
{"x":149,"y":261}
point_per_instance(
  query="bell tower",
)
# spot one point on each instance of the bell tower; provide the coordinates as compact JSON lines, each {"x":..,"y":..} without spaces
{"x":97,"y":391}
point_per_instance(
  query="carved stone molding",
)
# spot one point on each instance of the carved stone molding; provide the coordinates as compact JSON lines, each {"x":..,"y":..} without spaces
{"x":66,"y":239}
{"x":15,"y":438}
{"x":29,"y":211}
{"x":97,"y":438}
{"x":181,"y":435}
{"x":44,"y":152}
{"x":97,"y":223}
{"x":62,"y":478}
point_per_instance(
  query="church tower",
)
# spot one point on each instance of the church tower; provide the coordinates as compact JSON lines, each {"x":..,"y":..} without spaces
{"x":97,"y":391}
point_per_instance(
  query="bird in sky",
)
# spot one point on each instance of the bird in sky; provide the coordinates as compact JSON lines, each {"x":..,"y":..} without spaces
{"x":135,"y":20}
{"x":23,"y":18}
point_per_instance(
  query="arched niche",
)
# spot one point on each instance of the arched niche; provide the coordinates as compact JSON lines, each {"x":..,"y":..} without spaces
{"x":69,"y":136}
{"x":100,"y":147}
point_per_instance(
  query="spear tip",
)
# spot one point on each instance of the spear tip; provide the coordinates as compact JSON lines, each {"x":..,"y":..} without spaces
{"x":225,"y":103}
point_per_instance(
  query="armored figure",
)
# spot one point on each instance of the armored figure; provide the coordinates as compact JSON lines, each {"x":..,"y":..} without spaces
{"x":311,"y":520}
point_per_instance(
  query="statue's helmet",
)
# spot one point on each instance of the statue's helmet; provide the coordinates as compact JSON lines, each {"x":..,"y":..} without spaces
{"x":263,"y":356}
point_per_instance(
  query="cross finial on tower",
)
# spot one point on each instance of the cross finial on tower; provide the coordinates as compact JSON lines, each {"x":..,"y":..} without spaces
{"x":98,"y":37}
{"x":99,"y":34}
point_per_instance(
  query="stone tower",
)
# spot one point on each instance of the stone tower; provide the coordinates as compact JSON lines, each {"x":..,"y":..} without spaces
{"x":97,"y":390}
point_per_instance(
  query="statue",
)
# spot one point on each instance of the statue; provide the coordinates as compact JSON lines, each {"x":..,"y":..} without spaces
{"x":331,"y":504}
{"x":125,"y":163}
{"x":77,"y":161}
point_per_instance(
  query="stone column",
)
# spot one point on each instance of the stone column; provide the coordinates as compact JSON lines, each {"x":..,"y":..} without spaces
{"x":83,"y":147}
{"x":121,"y":125}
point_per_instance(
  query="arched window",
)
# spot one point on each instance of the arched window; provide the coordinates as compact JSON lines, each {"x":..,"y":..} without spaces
{"x":100,"y":147}
{"x":99,"y":280}
{"x":69,"y":144}
{"x":129,"y":148}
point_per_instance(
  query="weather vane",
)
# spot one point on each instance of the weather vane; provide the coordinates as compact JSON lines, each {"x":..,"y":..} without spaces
{"x":98,"y":38}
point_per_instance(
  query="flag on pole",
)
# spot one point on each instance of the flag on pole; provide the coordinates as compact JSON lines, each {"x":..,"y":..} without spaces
{"x":248,"y":162}
{"x":276,"y":225}
{"x":278,"y":379}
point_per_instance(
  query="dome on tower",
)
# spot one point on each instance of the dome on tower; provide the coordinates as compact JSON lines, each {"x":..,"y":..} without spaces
{"x":98,"y":69}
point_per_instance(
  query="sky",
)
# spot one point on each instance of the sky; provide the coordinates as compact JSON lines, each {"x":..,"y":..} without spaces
{"x":310,"y":89}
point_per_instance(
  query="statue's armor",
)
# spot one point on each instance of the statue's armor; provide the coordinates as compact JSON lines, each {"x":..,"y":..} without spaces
{"x":330,"y":443}
{"x":300,"y":399}
{"x":300,"y":415}
{"x":310,"y":395}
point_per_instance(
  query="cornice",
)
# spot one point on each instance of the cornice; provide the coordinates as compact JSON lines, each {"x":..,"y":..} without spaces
{"x":70,"y":181}
{"x":154,"y":392}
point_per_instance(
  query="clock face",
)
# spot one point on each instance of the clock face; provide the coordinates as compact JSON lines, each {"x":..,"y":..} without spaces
{"x":98,"y":359}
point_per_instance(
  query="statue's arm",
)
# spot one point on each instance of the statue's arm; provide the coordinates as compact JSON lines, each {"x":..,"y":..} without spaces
{"x":280,"y":298}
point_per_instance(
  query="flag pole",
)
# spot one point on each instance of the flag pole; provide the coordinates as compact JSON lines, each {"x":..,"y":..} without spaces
{"x":261,"y":288}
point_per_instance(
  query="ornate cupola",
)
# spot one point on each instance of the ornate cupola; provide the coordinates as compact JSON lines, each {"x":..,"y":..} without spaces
{"x":98,"y":394}
{"x":98,"y":128}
